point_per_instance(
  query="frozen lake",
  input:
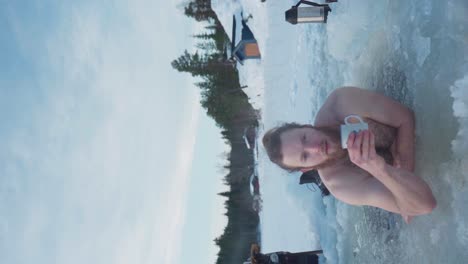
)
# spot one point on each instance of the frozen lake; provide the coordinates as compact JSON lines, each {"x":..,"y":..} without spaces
{"x":415,"y":52}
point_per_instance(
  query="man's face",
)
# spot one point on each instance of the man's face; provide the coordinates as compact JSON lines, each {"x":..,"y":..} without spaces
{"x":308,"y":147}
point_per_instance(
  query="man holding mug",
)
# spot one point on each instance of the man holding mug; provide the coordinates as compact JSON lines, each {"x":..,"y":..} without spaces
{"x":376,"y":168}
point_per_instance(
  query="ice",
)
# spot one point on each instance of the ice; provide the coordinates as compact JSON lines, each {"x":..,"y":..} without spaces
{"x":422,"y":46}
{"x":414,"y":52}
{"x":459,"y":92}
{"x":293,"y":94}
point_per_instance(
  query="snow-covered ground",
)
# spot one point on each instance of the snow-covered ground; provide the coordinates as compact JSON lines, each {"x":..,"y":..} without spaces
{"x":413,"y":51}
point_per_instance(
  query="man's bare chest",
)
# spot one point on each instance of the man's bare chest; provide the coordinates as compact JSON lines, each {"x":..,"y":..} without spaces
{"x":347,"y":175}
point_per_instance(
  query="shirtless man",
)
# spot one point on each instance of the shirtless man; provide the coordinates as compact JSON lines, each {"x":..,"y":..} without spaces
{"x":358,"y":175}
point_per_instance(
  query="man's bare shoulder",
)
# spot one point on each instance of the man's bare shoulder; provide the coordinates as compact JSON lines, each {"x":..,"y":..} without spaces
{"x":346,"y":101}
{"x":335,"y":108}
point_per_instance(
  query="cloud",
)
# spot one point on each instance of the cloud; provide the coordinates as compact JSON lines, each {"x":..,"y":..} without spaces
{"x":95,"y":174}
{"x":178,"y":199}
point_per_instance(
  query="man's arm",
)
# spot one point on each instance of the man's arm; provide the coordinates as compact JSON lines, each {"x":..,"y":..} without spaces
{"x":360,"y":190}
{"x":393,"y":189}
{"x":351,"y":100}
{"x":369,"y":192}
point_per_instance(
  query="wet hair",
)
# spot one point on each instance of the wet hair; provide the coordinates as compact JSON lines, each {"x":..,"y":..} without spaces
{"x":272,"y":143}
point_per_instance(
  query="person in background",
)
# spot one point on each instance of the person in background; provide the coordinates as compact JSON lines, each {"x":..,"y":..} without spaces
{"x":282,"y":257}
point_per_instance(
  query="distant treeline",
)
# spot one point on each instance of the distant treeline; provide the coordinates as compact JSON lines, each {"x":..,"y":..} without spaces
{"x":227,"y":104}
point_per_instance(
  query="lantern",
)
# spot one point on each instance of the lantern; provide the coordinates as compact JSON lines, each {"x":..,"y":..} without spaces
{"x":314,"y":13}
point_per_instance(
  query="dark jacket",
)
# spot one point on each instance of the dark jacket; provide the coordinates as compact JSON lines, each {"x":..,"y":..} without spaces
{"x":287,"y":258}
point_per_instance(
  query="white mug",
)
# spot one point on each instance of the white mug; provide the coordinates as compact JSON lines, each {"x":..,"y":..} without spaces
{"x":348,"y":128}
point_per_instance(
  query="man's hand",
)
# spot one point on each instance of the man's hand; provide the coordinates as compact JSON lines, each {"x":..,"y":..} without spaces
{"x":361,"y":149}
{"x":410,"y":202}
{"x":407,"y":218}
{"x":382,"y":109}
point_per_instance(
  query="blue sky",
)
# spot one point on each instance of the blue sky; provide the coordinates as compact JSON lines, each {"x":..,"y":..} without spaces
{"x":106,"y":154}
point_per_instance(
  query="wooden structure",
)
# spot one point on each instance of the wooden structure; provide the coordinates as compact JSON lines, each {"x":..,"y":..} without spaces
{"x":247,"y":47}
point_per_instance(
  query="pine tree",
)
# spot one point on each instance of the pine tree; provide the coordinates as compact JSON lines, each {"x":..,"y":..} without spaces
{"x":192,"y":63}
{"x":204,"y":36}
{"x":200,"y":10}
{"x":227,"y":104}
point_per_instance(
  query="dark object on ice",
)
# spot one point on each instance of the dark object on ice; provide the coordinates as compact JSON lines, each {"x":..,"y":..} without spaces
{"x":312,"y":176}
{"x":255,"y":191}
{"x":308,"y":257}
{"x":315,"y":13}
{"x":254,"y":185}
{"x":247,"y":48}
